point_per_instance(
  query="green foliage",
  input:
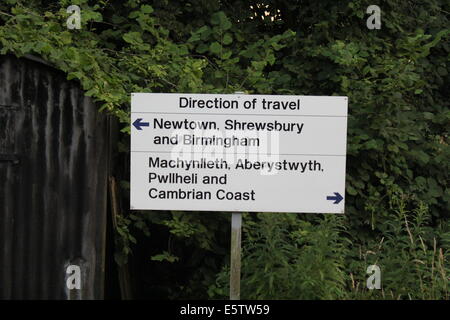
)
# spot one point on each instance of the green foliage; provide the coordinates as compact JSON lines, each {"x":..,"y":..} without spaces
{"x":125,"y":238}
{"x":396,"y":79}
{"x":288,"y":258}
{"x":123,"y":241}
{"x":165,"y":256}
{"x":412,"y":255}
{"x":306,"y":262}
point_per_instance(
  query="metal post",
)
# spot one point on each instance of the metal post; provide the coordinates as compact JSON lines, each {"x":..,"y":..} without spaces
{"x":235,"y":255}
{"x":235,"y":269}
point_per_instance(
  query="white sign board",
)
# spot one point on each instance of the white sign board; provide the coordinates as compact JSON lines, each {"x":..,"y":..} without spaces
{"x":239,"y":153}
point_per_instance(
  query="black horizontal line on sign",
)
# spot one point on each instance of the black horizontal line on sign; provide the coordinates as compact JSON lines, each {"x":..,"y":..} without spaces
{"x":244,"y":114}
{"x":265,"y":154}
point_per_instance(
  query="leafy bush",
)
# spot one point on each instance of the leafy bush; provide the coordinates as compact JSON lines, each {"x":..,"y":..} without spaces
{"x":288,"y":258}
{"x":285,"y":257}
{"x":413,"y":256}
{"x":396,"y":79}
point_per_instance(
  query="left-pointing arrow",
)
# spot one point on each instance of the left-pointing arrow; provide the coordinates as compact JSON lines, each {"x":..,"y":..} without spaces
{"x":139,"y":124}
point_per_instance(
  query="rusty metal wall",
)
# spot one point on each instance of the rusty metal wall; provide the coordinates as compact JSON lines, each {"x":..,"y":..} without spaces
{"x":54,"y":165}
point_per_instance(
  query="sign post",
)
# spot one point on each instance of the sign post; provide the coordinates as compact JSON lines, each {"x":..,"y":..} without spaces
{"x":238,"y":153}
{"x":235,"y":253}
{"x":235,"y":256}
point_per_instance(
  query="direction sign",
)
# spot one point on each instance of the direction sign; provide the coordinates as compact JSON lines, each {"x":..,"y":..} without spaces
{"x":239,"y":153}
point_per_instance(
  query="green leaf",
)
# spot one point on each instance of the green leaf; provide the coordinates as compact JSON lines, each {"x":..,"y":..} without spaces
{"x":227,"y":39}
{"x":220,"y":19}
{"x":146,"y":9}
{"x":165,"y":256}
{"x":428,"y":115}
{"x":215,"y":48}
{"x":133,"y":37}
{"x":351,"y":191}
{"x":202,"y":48}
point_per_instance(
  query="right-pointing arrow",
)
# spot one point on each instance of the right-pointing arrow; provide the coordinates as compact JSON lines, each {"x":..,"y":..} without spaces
{"x":337,"y":198}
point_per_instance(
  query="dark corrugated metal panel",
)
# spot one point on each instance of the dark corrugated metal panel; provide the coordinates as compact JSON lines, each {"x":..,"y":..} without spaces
{"x":54,"y":165}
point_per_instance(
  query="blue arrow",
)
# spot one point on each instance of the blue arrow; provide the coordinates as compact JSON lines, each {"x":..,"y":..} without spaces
{"x":337,"y":198}
{"x":138,"y":124}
